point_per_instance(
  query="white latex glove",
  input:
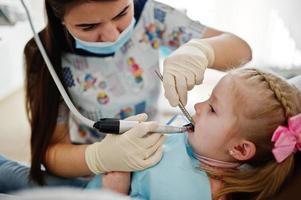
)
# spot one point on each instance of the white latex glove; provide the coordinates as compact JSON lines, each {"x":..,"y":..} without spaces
{"x":133,"y":150}
{"x":185,"y":68}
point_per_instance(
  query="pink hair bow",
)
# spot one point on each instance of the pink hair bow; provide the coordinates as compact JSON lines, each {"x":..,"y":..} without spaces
{"x":287,"y":139}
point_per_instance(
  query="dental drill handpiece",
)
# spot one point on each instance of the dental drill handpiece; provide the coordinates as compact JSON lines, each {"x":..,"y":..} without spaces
{"x":190,"y":126}
{"x":116,"y":126}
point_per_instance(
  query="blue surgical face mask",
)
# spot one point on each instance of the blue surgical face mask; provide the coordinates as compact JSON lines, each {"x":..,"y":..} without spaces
{"x":107,"y":47}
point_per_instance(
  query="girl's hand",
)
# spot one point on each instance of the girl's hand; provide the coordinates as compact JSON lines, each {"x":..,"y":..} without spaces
{"x":117,"y":181}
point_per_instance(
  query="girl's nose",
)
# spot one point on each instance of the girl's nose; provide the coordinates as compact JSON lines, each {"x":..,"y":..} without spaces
{"x":197,"y":108}
{"x":109,"y":32}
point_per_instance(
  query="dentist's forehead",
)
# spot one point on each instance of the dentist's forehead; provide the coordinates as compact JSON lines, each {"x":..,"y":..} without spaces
{"x":96,"y":11}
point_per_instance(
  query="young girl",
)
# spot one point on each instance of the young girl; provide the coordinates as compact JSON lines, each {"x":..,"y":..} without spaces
{"x":245,"y":138}
{"x":105,"y":53}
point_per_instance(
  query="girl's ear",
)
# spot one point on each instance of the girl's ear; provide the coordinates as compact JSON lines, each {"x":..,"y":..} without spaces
{"x":245,"y":150}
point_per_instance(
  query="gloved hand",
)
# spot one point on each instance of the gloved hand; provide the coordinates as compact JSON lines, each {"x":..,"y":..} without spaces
{"x":133,"y":150}
{"x":185,"y":68}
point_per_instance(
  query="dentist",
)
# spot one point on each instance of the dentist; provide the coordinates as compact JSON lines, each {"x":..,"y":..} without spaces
{"x":105,"y":53}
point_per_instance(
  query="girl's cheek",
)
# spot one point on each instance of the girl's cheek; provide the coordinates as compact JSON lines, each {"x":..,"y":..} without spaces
{"x":197,"y":119}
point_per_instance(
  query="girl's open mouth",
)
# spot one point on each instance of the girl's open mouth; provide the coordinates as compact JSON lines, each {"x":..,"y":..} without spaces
{"x":190,"y":128}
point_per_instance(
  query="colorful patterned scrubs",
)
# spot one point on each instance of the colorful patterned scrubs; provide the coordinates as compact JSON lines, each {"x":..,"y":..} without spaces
{"x":124,"y":83}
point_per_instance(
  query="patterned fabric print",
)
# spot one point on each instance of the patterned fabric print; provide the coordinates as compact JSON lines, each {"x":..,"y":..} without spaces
{"x":80,"y":64}
{"x":159,"y":15}
{"x":102,"y":97}
{"x":153,"y":34}
{"x":129,"y":111}
{"x":134,"y":74}
{"x":87,"y":82}
{"x":179,"y":29}
{"x":68,"y":77}
{"x":178,"y":36}
{"x":125,"y":84}
{"x":84,"y":135}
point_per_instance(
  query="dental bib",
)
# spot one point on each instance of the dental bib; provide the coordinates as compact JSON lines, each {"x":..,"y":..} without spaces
{"x":177,"y":176}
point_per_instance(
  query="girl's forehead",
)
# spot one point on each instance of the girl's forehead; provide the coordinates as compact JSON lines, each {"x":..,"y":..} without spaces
{"x":222,"y":93}
{"x":226,"y":85}
{"x":232,"y":93}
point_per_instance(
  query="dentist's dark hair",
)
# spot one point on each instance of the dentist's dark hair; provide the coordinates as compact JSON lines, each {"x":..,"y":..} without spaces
{"x":42,"y":96}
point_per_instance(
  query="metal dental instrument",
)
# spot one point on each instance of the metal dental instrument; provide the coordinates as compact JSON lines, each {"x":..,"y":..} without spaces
{"x":105,"y":125}
{"x":181,"y":106}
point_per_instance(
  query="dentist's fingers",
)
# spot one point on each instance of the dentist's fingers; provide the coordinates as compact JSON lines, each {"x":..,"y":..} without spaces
{"x":150,"y":156}
{"x":151,"y":139}
{"x":154,"y":158}
{"x":142,"y":129}
{"x":170,"y":91}
{"x":190,"y":78}
{"x":151,"y":150}
{"x":181,"y":86}
{"x":140,"y":117}
{"x":199,"y":78}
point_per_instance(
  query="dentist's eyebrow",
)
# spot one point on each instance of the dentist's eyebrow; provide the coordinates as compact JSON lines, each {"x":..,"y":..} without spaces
{"x":97,"y":23}
{"x":122,"y":12}
{"x":85,"y":25}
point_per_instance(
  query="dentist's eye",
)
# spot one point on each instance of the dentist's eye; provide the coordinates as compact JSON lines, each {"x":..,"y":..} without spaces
{"x":120,"y":16}
{"x":88,"y":28}
{"x":211,"y":109}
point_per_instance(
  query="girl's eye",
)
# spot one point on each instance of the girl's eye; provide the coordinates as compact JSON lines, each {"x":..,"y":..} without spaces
{"x":211,"y":108}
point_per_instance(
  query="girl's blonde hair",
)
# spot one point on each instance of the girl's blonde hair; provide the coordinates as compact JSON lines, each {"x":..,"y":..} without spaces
{"x":268,"y":103}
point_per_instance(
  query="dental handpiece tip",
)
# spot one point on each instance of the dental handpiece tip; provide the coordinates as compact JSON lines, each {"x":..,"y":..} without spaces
{"x":189,"y":127}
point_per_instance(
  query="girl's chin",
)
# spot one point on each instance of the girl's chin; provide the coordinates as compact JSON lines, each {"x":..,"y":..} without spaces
{"x":190,"y":134}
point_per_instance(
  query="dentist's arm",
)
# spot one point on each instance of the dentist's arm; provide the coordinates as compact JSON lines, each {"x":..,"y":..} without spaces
{"x":185,"y":67}
{"x":230,"y":50}
{"x":117,"y":181}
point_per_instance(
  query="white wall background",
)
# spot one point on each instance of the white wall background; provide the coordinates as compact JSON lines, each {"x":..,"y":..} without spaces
{"x":12,"y":42}
{"x":262,"y":23}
